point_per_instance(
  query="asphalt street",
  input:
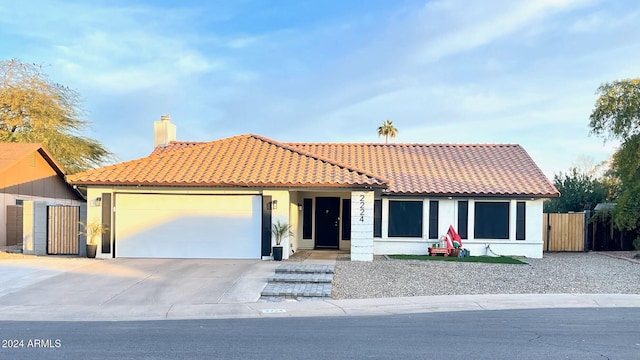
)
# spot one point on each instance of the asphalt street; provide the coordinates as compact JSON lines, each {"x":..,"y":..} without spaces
{"x":583,"y":333}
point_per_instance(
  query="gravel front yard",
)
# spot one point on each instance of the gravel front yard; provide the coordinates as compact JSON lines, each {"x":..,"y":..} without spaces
{"x":576,"y":273}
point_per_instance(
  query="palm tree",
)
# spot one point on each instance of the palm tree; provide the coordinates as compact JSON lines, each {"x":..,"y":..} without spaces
{"x":387,"y":129}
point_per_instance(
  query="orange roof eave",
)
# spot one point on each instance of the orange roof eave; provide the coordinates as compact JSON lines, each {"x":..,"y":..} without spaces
{"x":227,"y":184}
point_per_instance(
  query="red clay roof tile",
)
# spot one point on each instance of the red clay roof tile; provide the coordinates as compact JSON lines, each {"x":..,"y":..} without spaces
{"x":403,"y":169}
{"x":444,"y":169}
{"x":245,"y":160}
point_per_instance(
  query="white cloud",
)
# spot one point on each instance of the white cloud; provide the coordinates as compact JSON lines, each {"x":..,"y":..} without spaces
{"x":480,"y":23}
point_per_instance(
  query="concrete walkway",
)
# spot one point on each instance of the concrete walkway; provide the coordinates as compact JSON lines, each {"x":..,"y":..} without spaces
{"x":323,"y":257}
{"x":384,"y":306}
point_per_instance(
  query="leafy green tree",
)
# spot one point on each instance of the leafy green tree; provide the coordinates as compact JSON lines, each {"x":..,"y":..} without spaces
{"x":617,"y":111}
{"x":617,"y":116}
{"x":626,"y":167}
{"x":387,"y":130}
{"x":34,"y":109}
{"x":578,"y":191}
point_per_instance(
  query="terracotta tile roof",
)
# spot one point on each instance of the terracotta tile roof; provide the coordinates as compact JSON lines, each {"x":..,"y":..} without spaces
{"x":402,"y":169}
{"x":245,"y":160}
{"x":443,"y":169}
{"x":176,"y":145}
{"x":11,"y":153}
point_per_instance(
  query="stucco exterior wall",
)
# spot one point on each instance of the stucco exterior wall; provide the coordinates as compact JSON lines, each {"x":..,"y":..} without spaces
{"x":309,"y":244}
{"x":295,"y":219}
{"x":288,"y":211}
{"x":10,"y":199}
{"x":448,"y":215}
{"x":281,"y":214}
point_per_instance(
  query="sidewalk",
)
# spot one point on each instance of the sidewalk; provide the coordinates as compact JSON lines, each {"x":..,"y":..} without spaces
{"x":357,"y":307}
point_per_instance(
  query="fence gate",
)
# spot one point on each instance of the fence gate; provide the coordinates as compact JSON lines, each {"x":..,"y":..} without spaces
{"x":62,"y":229}
{"x":14,"y":225}
{"x":564,"y":232}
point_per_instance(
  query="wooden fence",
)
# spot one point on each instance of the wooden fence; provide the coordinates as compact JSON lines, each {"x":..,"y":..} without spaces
{"x":62,"y":230}
{"x":564,"y":232}
{"x":14,"y":224}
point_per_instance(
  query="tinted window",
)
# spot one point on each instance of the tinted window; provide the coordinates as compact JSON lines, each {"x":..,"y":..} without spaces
{"x":491,"y":220}
{"x":307,"y":218}
{"x":463,"y":219}
{"x":405,"y":218}
{"x":346,"y":219}
{"x":377,"y":218}
{"x":433,"y":219}
{"x":521,"y":215}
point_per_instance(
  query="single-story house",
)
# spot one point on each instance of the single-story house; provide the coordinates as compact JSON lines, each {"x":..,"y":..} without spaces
{"x":28,"y":172}
{"x":219,"y":199}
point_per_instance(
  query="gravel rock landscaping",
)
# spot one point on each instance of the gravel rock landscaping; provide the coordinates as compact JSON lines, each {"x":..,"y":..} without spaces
{"x":569,"y":273}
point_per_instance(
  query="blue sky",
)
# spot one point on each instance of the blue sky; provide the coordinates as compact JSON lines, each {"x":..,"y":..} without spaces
{"x":449,"y":71}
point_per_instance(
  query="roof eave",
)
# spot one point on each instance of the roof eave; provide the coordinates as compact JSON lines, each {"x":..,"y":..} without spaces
{"x":473,"y":195}
{"x":228,"y":185}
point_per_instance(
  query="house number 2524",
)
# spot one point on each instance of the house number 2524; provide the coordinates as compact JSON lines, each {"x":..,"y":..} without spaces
{"x":361,"y":208}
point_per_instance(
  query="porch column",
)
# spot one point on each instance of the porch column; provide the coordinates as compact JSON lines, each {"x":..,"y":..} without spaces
{"x":362,"y":226}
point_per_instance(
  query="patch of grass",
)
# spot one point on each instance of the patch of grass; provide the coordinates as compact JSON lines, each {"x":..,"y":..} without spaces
{"x":478,"y":259}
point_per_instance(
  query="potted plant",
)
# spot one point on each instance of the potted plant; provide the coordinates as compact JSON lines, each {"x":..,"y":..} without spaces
{"x":92,"y":231}
{"x":279,"y":231}
{"x":456,"y":249}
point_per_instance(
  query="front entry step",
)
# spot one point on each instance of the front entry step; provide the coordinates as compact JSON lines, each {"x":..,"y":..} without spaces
{"x":305,"y":269}
{"x":296,"y":290}
{"x":299,"y":282}
{"x":301,"y":278}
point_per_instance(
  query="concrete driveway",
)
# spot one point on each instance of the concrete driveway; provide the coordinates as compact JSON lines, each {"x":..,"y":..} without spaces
{"x":59,"y":281}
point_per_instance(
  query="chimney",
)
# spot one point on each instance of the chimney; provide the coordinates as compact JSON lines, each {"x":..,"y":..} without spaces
{"x":163,"y":131}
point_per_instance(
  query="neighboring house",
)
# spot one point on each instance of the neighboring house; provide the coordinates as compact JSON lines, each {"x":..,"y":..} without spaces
{"x":28,"y":172}
{"x":218,"y":199}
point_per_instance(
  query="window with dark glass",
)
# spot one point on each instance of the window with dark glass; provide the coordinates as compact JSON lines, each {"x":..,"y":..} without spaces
{"x":433,"y":219}
{"x":491,"y":220}
{"x":346,"y":219}
{"x":405,"y":218}
{"x":463,"y":219}
{"x":521,"y":215}
{"x":307,"y":218}
{"x":377,"y":218}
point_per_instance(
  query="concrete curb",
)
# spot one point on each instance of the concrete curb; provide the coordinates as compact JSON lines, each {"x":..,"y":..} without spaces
{"x":618,"y":257}
{"x":353,"y":307}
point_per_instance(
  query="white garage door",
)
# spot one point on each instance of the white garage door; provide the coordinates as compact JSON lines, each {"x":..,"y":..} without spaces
{"x":188,"y":226}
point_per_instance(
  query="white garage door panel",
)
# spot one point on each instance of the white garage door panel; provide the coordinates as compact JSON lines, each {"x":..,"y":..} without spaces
{"x":188,"y":226}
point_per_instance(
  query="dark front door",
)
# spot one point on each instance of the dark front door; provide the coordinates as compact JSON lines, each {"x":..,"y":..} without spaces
{"x":327,"y":222}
